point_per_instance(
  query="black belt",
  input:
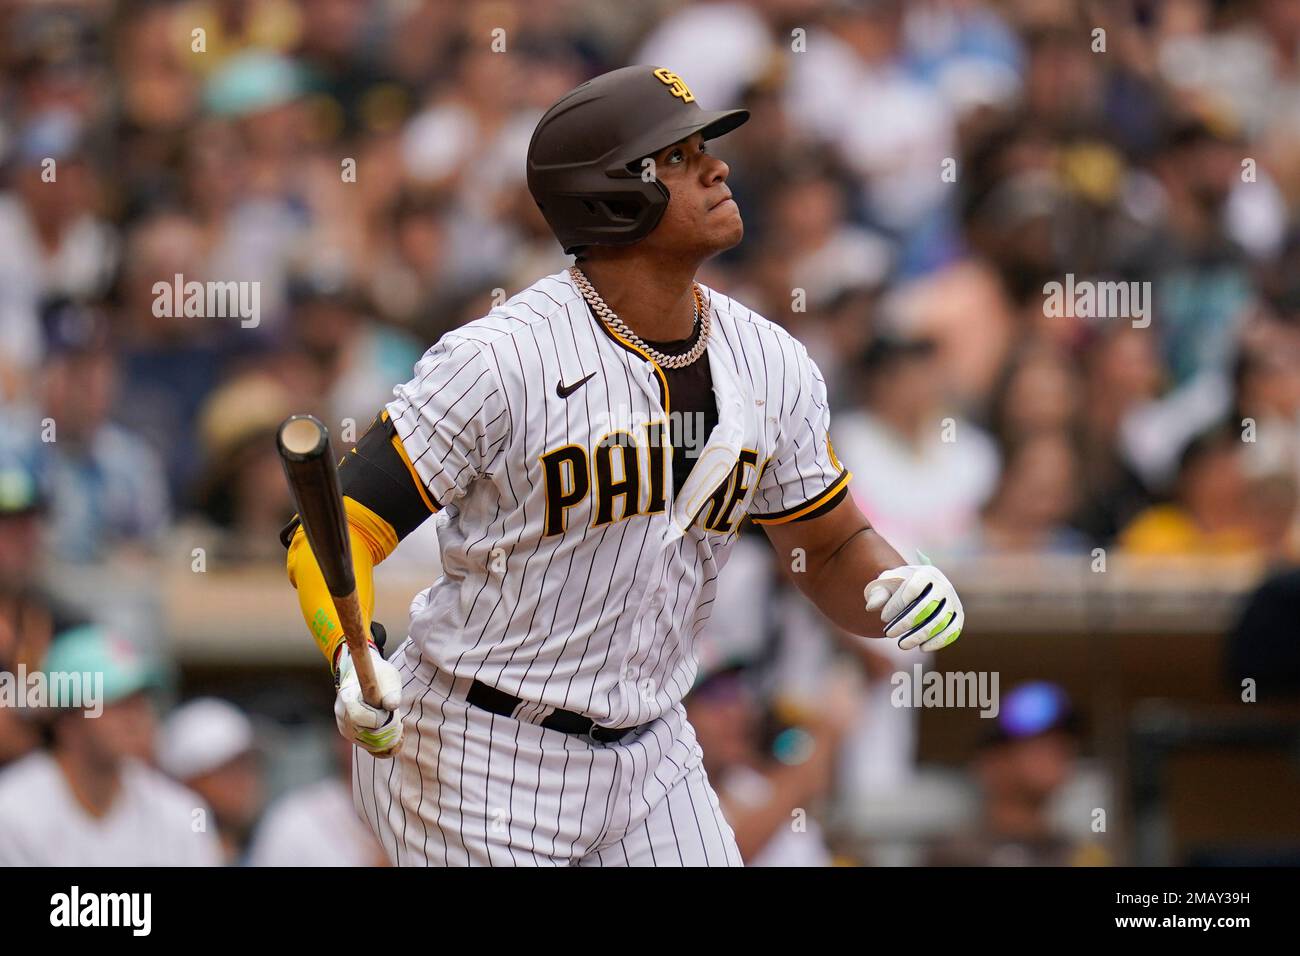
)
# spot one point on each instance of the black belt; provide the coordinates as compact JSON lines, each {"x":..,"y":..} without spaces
{"x":499,"y":702}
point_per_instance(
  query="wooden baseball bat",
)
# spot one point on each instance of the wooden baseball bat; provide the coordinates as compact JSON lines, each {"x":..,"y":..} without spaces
{"x":308,"y":460}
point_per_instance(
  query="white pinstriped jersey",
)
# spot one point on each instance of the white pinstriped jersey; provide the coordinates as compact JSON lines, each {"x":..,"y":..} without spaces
{"x":575,"y":575}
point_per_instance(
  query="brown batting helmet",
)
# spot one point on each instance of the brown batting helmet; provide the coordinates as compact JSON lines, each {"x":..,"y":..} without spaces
{"x":584,"y":158}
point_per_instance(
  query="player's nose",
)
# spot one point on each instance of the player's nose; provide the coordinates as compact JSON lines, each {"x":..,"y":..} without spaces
{"x":715,"y":171}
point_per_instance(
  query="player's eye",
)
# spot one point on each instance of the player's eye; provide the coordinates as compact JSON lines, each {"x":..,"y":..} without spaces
{"x":678,"y":154}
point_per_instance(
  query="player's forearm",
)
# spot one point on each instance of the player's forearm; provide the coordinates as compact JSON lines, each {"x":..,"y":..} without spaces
{"x":384,"y":501}
{"x":314,"y":598}
{"x":836,"y":582}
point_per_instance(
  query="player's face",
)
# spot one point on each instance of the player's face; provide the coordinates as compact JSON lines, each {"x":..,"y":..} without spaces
{"x":701,"y":217}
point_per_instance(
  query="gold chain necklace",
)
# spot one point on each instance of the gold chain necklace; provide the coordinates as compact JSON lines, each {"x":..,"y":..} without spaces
{"x":610,"y":318}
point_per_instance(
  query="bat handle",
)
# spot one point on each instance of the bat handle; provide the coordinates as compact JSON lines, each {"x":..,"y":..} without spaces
{"x":357,"y":637}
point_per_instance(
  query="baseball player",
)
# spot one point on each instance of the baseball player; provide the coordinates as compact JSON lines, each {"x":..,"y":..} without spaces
{"x":589,"y":449}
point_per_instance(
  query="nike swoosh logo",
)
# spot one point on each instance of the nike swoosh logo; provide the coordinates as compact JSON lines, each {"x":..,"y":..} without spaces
{"x":564,"y":391}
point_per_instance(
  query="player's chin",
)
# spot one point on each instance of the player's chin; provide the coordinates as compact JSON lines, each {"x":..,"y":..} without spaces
{"x":726,"y":228}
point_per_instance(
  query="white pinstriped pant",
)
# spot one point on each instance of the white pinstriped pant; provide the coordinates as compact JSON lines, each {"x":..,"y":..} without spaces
{"x":473,"y":788}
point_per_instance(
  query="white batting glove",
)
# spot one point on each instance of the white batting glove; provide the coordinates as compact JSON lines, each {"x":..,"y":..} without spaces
{"x":377,"y":730}
{"x":920,"y":606}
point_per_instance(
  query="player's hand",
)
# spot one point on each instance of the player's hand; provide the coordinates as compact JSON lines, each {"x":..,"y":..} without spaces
{"x":920,"y":606}
{"x":378,"y":730}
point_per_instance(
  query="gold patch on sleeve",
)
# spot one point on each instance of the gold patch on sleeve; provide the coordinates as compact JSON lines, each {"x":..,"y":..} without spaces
{"x":830,"y":450}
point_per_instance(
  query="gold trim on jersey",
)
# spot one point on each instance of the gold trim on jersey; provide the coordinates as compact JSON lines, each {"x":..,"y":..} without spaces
{"x":811,"y":505}
{"x":406,"y":460}
{"x":663,"y":379}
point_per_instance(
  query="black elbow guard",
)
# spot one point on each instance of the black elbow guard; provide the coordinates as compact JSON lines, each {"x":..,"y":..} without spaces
{"x":377,"y":474}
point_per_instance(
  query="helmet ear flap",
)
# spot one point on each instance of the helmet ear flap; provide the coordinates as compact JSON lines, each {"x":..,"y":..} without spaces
{"x":607,"y":216}
{"x":620,"y":210}
{"x":608,"y":211}
{"x":599,"y":208}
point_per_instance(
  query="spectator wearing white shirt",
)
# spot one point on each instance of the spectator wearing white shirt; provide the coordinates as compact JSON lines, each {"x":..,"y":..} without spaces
{"x":92,"y":800}
{"x":209,"y":746}
{"x":921,"y":472}
{"x":317,"y":825}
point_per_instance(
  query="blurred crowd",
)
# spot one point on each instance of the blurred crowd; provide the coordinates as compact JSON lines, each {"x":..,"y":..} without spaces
{"x":913,"y":177}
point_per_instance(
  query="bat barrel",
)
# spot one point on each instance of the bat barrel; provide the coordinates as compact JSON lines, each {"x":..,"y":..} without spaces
{"x":303,"y":442}
{"x":308,"y":460}
{"x":302,"y":438}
